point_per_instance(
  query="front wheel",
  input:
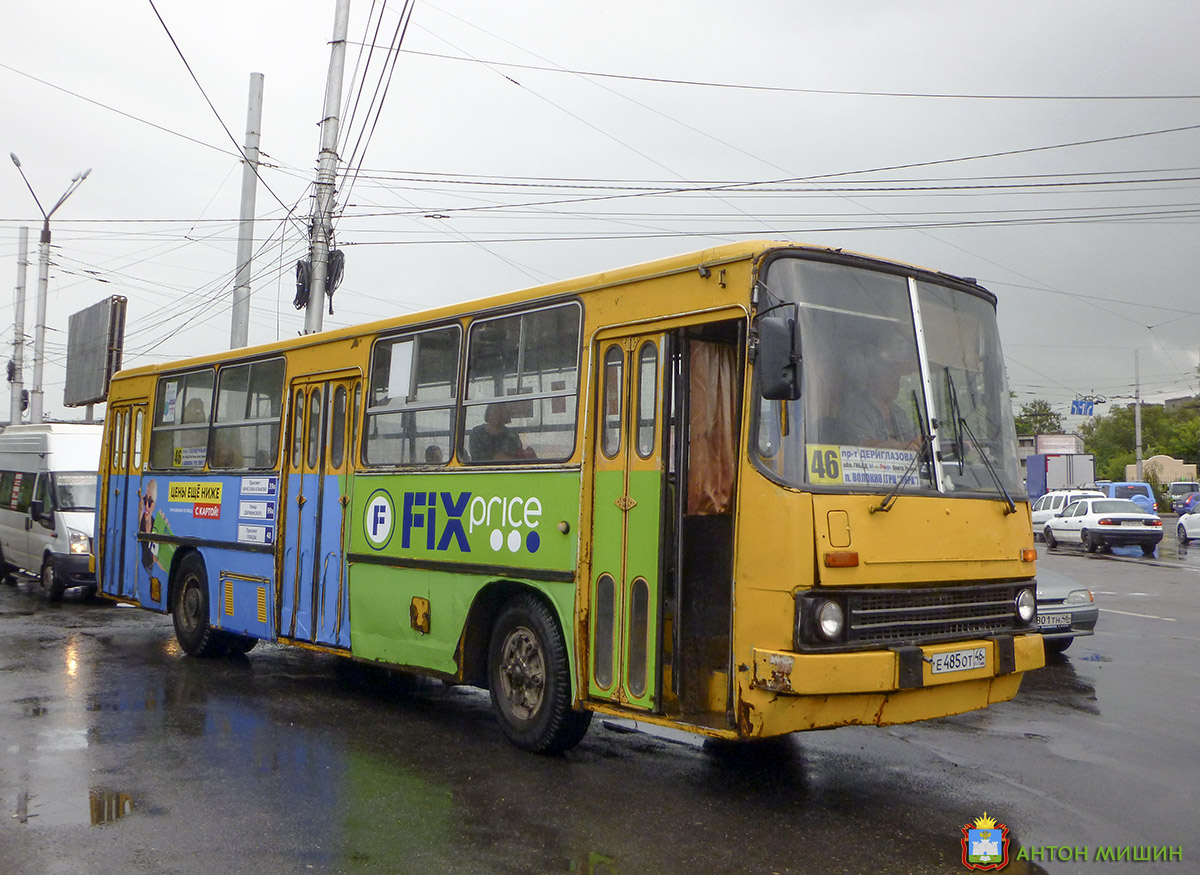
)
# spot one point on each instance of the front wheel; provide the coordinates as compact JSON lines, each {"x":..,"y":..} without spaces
{"x":190,"y":613}
{"x":1182,"y":535}
{"x":54,"y":585}
{"x":530,"y":681}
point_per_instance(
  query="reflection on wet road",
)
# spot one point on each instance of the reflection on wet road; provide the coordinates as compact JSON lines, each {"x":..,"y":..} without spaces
{"x":121,"y":754}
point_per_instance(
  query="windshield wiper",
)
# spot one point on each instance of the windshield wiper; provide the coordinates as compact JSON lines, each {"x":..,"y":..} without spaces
{"x":1012,"y":507}
{"x":961,"y":428}
{"x":955,"y":418}
{"x":926,"y":442}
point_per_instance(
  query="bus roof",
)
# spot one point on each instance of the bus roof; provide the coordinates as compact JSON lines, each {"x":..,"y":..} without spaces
{"x":725,"y":254}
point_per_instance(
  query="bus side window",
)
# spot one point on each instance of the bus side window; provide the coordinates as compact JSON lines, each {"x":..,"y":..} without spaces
{"x":179,"y":430}
{"x":411,"y":409}
{"x":246,"y":425}
{"x":522,"y":387}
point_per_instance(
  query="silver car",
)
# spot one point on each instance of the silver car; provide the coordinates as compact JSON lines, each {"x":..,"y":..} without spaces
{"x":1066,"y":610}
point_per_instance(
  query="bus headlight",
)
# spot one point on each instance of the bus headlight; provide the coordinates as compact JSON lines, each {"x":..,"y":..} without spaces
{"x":830,"y":620}
{"x":1026,"y":606}
{"x":79,"y":542}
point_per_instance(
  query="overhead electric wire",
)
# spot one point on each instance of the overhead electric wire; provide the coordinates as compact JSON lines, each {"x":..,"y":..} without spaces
{"x":836,"y":92}
{"x":220,"y":120}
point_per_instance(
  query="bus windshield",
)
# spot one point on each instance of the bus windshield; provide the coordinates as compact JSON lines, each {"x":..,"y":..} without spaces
{"x":902,"y":385}
{"x":75,"y":490}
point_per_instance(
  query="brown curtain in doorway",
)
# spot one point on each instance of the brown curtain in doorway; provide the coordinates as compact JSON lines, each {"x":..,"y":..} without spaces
{"x":712,"y":431}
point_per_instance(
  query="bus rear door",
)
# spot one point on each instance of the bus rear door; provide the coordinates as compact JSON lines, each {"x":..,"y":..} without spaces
{"x":123,"y":503}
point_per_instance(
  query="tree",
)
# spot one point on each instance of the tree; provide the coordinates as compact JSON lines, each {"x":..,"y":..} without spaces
{"x":1110,"y":437}
{"x":1037,"y":417}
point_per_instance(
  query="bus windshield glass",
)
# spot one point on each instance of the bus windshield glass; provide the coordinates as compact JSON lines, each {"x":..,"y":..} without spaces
{"x":875,"y":413}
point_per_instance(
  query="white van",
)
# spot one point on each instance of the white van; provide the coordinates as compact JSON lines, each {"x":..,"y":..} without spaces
{"x":48,"y":503}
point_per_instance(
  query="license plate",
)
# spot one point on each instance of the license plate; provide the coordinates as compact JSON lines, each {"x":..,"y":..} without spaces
{"x":959,"y":660}
{"x":1132,"y":523}
{"x":1053,"y":621}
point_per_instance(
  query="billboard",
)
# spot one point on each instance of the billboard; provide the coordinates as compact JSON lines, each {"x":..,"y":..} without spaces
{"x":95,"y":339}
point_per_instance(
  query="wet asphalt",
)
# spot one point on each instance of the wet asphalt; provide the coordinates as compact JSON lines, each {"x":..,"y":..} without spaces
{"x":120,"y":754}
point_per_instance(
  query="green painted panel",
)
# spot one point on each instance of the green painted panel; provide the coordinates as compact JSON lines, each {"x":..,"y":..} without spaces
{"x":380,"y":623}
{"x":484,"y":518}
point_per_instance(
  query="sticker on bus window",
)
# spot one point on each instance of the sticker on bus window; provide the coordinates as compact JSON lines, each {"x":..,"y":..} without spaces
{"x":880,"y":467}
{"x":189,"y":457}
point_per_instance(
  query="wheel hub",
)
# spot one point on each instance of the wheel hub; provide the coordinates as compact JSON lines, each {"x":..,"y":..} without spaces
{"x":522,"y":673}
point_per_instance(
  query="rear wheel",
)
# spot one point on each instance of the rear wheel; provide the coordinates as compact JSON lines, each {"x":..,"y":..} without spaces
{"x":1048,"y":537}
{"x":190,"y":613}
{"x":530,"y":680}
{"x":1089,"y":543}
{"x":54,"y":585}
{"x":1148,"y":549}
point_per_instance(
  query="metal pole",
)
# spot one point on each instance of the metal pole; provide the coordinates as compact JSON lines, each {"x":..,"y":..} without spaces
{"x":239,"y":330}
{"x":322,"y":219}
{"x":1137,"y":413}
{"x":18,"y":382}
{"x":39,"y":331}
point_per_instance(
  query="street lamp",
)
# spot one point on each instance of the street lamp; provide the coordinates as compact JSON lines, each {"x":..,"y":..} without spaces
{"x":39,"y":337}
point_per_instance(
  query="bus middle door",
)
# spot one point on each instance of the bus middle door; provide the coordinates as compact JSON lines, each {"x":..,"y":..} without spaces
{"x":624,"y":640}
{"x":313,"y":598}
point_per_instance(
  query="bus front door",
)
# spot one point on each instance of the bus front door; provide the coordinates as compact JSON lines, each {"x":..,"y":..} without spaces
{"x":313,"y":600}
{"x":624,"y":647}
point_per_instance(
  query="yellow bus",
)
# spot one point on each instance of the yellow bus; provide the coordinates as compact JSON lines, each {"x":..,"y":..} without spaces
{"x":743,"y":492}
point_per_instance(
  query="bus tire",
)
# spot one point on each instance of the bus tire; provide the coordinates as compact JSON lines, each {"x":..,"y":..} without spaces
{"x":530,"y":680}
{"x":190,"y":611}
{"x":54,"y":585}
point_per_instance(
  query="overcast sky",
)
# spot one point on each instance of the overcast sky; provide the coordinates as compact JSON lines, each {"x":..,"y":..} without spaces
{"x":493,"y":162}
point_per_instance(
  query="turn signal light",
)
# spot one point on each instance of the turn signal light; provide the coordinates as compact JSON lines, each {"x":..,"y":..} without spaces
{"x":1029,"y":554}
{"x":842,"y":559}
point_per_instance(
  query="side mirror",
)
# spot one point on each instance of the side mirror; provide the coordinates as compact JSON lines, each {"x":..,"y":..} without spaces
{"x":37,"y":510}
{"x":778,"y":361}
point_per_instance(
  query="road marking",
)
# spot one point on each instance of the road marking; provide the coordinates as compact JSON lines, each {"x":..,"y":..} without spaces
{"x":1130,"y":614}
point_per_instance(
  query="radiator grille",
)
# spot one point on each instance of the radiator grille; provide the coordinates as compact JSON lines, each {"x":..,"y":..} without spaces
{"x":897,"y":617}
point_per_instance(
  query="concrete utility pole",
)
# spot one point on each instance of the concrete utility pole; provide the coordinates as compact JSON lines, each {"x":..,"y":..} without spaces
{"x":39,"y":332}
{"x":239,"y":330}
{"x":323,"y":200}
{"x":18,"y":380}
{"x":1137,"y":413}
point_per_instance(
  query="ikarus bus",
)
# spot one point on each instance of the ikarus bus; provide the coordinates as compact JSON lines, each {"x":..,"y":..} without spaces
{"x":743,"y":492}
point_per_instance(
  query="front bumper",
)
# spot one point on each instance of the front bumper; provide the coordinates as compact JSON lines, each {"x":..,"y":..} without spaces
{"x":885,"y":671}
{"x":1059,"y":621}
{"x":74,"y":568}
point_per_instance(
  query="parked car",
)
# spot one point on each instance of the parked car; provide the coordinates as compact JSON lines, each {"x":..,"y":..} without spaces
{"x":1135,"y":490}
{"x":1179,"y":488}
{"x":1053,"y":502}
{"x":1182,"y":504}
{"x":1104,"y":522}
{"x":1188,"y":527}
{"x":1065,"y":610}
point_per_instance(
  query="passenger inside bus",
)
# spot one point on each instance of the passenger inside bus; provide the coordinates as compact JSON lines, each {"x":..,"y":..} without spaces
{"x":493,"y":440}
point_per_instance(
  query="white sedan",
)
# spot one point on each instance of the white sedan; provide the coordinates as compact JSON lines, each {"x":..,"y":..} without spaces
{"x":1104,"y":522}
{"x":1189,"y":526}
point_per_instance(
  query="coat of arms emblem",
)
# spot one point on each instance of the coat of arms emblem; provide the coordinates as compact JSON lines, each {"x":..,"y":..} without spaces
{"x":985,"y":844}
